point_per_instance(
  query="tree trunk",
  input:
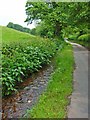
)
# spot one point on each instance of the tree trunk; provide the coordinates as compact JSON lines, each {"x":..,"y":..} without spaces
{"x":58,"y":28}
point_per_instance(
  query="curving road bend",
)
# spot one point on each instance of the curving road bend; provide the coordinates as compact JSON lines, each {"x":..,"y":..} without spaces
{"x":78,"y":107}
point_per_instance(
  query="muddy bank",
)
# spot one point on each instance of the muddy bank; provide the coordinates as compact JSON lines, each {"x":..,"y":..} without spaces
{"x":15,"y":106}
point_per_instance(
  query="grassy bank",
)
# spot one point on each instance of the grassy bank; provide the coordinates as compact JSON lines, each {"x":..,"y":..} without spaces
{"x":10,"y":36}
{"x":53,"y":103}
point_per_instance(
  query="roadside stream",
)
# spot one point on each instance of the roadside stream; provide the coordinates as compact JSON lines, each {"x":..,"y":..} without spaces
{"x":15,"y":106}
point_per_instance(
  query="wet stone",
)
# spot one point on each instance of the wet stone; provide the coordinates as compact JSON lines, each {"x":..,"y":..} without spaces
{"x":26,"y":88}
{"x":35,"y":88}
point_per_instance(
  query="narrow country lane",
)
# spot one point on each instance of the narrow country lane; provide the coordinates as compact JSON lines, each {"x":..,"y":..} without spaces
{"x":79,"y":99}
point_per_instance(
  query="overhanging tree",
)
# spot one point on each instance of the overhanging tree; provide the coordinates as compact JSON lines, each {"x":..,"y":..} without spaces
{"x":58,"y":15}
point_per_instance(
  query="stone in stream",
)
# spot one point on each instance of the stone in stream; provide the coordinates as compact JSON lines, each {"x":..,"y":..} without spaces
{"x":35,"y":87}
{"x":27,"y":88}
{"x":29,"y":101}
{"x":42,"y":82}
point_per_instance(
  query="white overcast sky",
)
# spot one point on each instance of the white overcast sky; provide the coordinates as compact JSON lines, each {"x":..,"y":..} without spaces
{"x":13,"y":11}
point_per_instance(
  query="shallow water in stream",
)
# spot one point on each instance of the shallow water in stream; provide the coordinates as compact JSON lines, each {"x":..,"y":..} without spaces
{"x":15,"y":106}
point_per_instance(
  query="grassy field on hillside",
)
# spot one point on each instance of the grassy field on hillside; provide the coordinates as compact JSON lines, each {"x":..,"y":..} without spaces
{"x":10,"y":35}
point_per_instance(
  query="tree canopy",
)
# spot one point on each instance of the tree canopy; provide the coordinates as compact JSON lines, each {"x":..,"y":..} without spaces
{"x":18,"y":27}
{"x":56,"y":16}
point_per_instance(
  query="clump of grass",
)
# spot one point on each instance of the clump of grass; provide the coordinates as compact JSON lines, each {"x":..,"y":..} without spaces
{"x":54,"y":101}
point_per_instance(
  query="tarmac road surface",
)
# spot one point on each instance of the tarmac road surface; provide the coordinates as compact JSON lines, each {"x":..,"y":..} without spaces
{"x":78,"y":107}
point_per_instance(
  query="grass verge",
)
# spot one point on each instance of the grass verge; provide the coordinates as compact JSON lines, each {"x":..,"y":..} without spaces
{"x":53,"y":102}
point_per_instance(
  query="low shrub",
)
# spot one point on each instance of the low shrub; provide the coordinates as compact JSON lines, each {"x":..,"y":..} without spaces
{"x":21,"y":59}
{"x":85,"y":37}
{"x":72,"y":37}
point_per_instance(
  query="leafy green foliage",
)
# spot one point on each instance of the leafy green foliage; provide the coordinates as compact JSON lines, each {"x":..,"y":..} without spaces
{"x":18,"y":27}
{"x":33,"y":31}
{"x":80,"y":35}
{"x":19,"y":59}
{"x":45,"y":30}
{"x":58,"y":16}
{"x":72,"y":37}
{"x":82,"y":39}
{"x":85,"y":37}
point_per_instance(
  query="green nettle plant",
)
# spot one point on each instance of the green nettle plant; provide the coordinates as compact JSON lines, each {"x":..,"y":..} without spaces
{"x":19,"y":60}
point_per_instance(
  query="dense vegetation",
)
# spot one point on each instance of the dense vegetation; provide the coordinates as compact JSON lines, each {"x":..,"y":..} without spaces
{"x":55,"y":17}
{"x":58,"y":19}
{"x":53,"y":102}
{"x":83,"y":39}
{"x":22,"y":57}
{"x":18,"y":27}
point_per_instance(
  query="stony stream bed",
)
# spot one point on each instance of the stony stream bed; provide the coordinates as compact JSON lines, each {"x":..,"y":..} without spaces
{"x":15,"y":106}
